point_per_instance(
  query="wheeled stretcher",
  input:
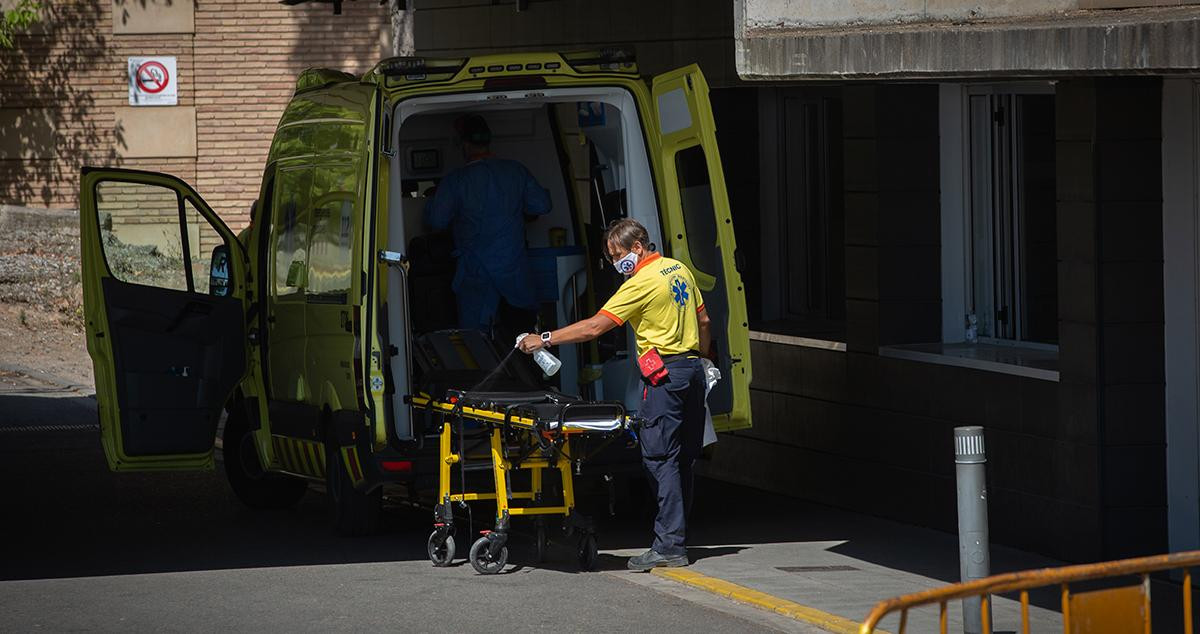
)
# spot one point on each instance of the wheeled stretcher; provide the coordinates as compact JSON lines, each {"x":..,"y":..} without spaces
{"x":510,"y":433}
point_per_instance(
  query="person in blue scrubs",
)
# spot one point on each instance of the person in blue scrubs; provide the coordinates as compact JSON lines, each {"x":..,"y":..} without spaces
{"x":485,"y":204}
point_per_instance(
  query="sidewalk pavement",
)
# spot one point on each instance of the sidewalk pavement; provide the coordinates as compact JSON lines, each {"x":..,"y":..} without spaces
{"x":839,"y":563}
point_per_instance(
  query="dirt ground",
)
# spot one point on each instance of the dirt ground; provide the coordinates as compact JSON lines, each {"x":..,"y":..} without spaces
{"x":41,"y":299}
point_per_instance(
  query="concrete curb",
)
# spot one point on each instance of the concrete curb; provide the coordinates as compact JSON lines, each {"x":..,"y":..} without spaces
{"x":824,"y":620}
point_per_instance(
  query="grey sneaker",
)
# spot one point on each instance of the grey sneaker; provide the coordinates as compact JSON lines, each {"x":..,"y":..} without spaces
{"x":651,"y":559}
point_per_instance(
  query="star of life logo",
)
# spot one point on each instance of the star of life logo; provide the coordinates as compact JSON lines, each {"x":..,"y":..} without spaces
{"x":679,"y":290}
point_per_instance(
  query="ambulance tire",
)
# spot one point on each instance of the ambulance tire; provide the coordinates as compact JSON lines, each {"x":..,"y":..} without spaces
{"x":353,"y":512}
{"x":253,"y":486}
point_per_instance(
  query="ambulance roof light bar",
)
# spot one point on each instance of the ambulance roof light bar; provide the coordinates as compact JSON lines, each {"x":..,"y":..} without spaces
{"x":612,"y":59}
{"x":403,"y":66}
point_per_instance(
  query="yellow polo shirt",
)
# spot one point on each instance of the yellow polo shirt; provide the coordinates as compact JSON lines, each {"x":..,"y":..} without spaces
{"x":660,"y":300}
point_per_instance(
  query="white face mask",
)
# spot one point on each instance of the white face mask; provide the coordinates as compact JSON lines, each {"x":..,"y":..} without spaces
{"x":626,"y":264}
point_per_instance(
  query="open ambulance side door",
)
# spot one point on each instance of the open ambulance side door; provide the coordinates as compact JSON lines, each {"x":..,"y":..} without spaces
{"x":698,"y":227}
{"x":163,"y":287}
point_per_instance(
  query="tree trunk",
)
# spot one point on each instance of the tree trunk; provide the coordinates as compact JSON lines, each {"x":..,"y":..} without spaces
{"x":402,"y":13}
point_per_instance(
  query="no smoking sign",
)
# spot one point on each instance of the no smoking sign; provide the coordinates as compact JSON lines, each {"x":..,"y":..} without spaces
{"x":152,"y":81}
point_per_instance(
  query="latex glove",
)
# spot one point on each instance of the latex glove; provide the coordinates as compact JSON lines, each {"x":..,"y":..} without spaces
{"x":711,"y":374}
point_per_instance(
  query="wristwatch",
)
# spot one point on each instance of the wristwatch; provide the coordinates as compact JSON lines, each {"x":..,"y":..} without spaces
{"x":546,"y":338}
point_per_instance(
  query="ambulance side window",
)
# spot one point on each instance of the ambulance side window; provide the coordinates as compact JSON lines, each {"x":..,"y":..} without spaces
{"x":139,"y":231}
{"x":699,"y":215}
{"x":203,"y":241}
{"x":334,"y":206}
{"x":290,"y":229}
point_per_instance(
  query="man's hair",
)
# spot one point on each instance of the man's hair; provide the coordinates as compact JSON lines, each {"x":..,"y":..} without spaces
{"x":473,"y":129}
{"x":625,"y":232}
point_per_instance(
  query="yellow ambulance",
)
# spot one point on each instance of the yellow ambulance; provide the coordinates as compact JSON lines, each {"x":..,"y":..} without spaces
{"x":307,"y":333}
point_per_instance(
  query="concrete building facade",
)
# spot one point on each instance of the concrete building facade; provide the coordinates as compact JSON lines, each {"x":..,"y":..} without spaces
{"x":1018,"y":190}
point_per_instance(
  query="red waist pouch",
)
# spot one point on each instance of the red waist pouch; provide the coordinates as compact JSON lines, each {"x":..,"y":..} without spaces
{"x":654,"y":371}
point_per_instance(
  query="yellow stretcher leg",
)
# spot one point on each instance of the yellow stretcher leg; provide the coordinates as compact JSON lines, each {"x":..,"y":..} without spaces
{"x":568,"y":484}
{"x":500,"y":471}
{"x":445,"y":460}
{"x":536,"y":485}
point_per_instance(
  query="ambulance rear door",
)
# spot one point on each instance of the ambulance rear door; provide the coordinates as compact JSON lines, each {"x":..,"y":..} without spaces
{"x":163,"y":288}
{"x":699,"y":230}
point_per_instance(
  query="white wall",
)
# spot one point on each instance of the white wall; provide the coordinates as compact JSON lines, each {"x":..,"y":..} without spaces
{"x":1181,"y":255}
{"x":811,"y":13}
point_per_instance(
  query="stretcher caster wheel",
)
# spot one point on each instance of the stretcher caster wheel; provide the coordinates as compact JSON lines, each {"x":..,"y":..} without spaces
{"x":441,"y":550}
{"x":541,"y":542}
{"x":587,"y":553}
{"x":482,"y":560}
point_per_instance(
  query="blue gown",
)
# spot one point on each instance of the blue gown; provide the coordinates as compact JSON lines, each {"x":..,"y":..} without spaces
{"x":484,"y":204}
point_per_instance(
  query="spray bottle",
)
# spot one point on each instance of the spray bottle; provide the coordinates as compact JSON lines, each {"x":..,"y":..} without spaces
{"x":546,"y":361}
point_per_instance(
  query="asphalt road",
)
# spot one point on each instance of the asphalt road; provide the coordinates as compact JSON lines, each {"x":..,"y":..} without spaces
{"x":83,"y":548}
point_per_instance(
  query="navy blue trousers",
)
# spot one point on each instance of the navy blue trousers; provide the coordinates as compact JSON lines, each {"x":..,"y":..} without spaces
{"x":671,"y":438}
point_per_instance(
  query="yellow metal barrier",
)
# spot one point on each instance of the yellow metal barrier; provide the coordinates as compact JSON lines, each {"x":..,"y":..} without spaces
{"x":1122,"y":609}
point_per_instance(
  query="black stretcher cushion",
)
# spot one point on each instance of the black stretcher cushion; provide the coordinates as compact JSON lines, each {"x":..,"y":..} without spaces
{"x":519,"y":398}
{"x":545,"y":406}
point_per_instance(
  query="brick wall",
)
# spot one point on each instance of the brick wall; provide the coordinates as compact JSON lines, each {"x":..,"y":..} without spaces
{"x":248,"y":55}
{"x":61,"y":86}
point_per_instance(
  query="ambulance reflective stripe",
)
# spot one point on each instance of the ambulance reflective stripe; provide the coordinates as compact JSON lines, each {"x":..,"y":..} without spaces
{"x":302,"y":457}
{"x":350,"y":459}
{"x":314,"y":453}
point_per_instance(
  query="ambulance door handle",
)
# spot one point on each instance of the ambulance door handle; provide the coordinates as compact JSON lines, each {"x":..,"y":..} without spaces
{"x":393,"y":258}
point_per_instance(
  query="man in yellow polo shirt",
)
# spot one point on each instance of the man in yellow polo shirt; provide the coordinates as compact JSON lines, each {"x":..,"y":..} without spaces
{"x":661,"y":301}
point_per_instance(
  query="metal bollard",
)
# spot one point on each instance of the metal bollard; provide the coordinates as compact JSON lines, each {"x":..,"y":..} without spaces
{"x":974,"y":562}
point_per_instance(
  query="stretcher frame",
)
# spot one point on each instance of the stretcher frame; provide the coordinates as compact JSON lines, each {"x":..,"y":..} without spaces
{"x":518,"y":440}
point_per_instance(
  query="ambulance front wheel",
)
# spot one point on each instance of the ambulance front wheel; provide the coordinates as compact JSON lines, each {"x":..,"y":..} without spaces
{"x":482,"y":559}
{"x":252,"y":485}
{"x":440,"y":549}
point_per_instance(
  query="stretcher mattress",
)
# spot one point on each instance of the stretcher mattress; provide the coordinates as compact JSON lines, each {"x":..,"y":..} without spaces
{"x":546,"y":409}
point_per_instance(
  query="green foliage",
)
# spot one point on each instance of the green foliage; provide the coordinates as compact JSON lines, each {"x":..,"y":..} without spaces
{"x":18,"y":19}
{"x":143,"y":264}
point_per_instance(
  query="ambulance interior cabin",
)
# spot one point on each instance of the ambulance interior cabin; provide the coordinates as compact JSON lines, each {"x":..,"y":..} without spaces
{"x":586,"y":146}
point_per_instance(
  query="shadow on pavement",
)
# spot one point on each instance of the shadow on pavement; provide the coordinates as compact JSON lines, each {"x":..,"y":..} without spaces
{"x":45,"y":409}
{"x":66,"y":515}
